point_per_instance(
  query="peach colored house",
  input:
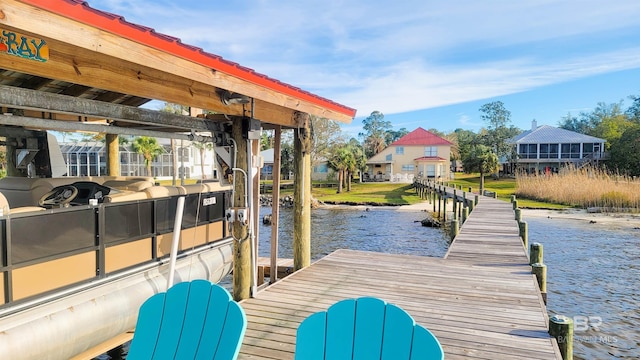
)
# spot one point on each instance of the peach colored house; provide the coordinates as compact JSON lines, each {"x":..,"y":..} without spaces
{"x":420,"y":153}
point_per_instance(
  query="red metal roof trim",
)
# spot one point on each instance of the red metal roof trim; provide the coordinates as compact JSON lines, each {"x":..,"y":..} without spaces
{"x":80,"y":10}
{"x":421,"y":136}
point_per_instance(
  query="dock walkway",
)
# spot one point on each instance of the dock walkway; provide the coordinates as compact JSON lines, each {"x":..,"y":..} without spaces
{"x":481,"y":301}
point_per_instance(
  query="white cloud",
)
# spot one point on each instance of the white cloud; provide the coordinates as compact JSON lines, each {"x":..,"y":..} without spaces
{"x":413,"y":55}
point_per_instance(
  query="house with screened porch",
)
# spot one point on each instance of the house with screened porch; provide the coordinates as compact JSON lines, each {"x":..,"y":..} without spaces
{"x":545,"y":149}
{"x":420,"y":153}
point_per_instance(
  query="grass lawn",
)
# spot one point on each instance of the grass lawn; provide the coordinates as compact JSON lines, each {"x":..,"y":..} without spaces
{"x":387,"y":193}
{"x":384,"y":193}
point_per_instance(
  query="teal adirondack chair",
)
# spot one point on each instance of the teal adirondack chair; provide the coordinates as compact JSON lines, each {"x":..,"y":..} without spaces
{"x":365,"y":329}
{"x":192,"y":320}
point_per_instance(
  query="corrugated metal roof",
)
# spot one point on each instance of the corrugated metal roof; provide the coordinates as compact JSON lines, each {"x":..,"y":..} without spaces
{"x":549,"y":134}
{"x":80,"y":11}
{"x":420,"y":136}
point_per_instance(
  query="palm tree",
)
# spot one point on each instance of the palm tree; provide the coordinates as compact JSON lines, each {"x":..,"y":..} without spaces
{"x":149,"y":148}
{"x":203,"y":147}
{"x":483,"y":160}
{"x":341,"y":161}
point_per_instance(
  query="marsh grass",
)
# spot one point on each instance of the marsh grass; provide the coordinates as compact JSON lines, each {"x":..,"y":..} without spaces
{"x":584,"y":188}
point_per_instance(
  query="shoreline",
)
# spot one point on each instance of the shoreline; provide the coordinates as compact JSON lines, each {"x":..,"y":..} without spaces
{"x":624,"y":220}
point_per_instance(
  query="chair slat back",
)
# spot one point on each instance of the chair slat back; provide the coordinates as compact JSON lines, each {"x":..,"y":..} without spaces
{"x":192,"y":320}
{"x":364,"y":328}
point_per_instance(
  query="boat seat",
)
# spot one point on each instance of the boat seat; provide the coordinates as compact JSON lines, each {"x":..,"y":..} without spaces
{"x":158,"y":191}
{"x":129,"y":185}
{"x":17,"y":190}
{"x":6,"y":209}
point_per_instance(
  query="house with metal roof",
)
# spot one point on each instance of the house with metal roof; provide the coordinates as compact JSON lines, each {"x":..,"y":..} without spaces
{"x":546,"y":149}
{"x":419,"y":153}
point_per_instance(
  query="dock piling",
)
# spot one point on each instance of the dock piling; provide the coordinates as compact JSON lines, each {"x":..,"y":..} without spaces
{"x":524,"y":233}
{"x":540,"y":271}
{"x":536,"y":253}
{"x":561,"y":327}
{"x":454,"y":229}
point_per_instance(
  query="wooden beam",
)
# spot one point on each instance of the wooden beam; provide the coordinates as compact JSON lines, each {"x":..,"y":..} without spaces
{"x":37,"y":100}
{"x":85,"y":55}
{"x":88,"y":127}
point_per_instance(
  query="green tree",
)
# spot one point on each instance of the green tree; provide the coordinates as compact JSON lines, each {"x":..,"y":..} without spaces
{"x":360,"y":158}
{"x":174,"y":109}
{"x":625,"y":152}
{"x":481,"y":159}
{"x":266,"y":140}
{"x":342,"y":160}
{"x":498,"y":120}
{"x":633,"y":112}
{"x":375,"y":130}
{"x":149,"y":148}
{"x":202,"y":147}
{"x":572,"y":123}
{"x":392,"y":135}
{"x":286,"y":155}
{"x":326,"y":135}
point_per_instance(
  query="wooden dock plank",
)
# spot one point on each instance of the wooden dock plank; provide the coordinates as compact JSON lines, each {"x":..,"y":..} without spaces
{"x":481,"y":301}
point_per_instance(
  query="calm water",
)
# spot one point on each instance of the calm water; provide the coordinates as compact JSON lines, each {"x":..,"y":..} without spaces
{"x":593,"y":276}
{"x":593,"y":270}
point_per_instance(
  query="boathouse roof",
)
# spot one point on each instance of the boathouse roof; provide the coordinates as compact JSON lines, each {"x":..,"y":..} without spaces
{"x":96,"y":55}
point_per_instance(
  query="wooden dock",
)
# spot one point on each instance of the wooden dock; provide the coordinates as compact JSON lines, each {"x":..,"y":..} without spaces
{"x":481,"y":301}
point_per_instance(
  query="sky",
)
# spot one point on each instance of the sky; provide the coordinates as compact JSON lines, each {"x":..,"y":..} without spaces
{"x":422,"y":63}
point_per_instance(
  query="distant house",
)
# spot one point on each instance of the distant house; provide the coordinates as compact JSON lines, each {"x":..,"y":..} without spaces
{"x":319,"y":172}
{"x":545,"y":149}
{"x":420,"y":153}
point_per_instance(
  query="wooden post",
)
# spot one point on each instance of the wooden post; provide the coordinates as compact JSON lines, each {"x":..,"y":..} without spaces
{"x":302,"y":193}
{"x":515,"y":204}
{"x":242,"y":245}
{"x":471,"y":205}
{"x":513,"y":198}
{"x":433,"y":195}
{"x":470,"y":189}
{"x":518,"y":214}
{"x":561,"y":328}
{"x":476,"y":199}
{"x":465,"y":214}
{"x":113,"y":154}
{"x":445,"y":200}
{"x":524,"y":232}
{"x":455,"y":205}
{"x":454,"y":229}
{"x":275,"y":203}
{"x":536,"y":253}
{"x":540,"y":271}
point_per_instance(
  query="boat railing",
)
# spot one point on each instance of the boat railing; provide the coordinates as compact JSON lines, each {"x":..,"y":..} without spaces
{"x":44,"y":252}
